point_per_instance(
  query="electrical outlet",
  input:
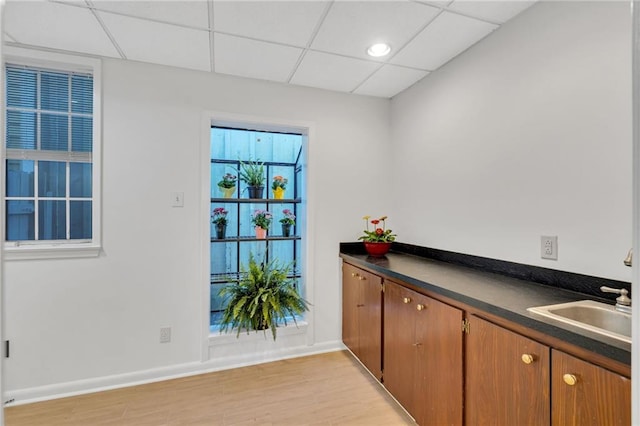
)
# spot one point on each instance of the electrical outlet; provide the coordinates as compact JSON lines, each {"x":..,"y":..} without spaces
{"x":165,"y":334}
{"x":549,"y":247}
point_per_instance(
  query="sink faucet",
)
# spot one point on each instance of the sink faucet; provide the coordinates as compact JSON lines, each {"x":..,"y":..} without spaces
{"x":628,"y":260}
{"x":623,"y":303}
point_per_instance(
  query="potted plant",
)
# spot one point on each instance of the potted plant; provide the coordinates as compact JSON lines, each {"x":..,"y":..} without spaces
{"x":377,"y":242}
{"x":252,"y":173}
{"x":228,"y":184}
{"x":261,"y":219}
{"x":219,"y":218}
{"x":263,"y":297}
{"x":287,"y":221}
{"x":278,"y":186}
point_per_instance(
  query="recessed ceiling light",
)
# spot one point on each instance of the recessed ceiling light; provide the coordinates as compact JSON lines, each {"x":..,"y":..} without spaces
{"x":378,"y":50}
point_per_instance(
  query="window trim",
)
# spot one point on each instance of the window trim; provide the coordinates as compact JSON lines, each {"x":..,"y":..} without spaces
{"x":24,"y":250}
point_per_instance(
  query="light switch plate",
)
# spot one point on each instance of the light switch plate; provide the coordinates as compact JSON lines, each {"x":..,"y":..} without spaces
{"x":177,"y":199}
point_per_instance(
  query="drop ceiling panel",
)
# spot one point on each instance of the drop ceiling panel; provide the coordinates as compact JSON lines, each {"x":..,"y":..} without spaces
{"x":316,"y":43}
{"x":351,"y":27}
{"x":496,"y":11}
{"x":187,"y":12}
{"x":158,"y":43}
{"x":332,"y":72}
{"x":447,"y":36}
{"x":288,"y":22}
{"x":255,"y":59}
{"x":57,"y":26}
{"x":389,"y":81}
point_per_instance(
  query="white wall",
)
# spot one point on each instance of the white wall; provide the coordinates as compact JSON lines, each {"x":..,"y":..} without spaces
{"x":71,"y":320}
{"x":526,"y":134}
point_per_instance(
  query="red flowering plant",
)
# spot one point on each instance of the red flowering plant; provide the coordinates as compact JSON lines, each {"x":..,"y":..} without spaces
{"x":219,"y":216}
{"x":380,"y":233}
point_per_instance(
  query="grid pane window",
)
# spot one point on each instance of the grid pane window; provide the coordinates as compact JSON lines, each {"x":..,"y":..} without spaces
{"x":52,"y":180}
{"x":20,"y":175}
{"x":49,"y":144}
{"x":282,"y":156}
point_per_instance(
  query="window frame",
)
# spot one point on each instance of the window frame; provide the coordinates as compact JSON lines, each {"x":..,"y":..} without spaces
{"x":51,"y":249}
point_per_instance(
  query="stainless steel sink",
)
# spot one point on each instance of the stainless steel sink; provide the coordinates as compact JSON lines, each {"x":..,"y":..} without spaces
{"x":590,"y":315}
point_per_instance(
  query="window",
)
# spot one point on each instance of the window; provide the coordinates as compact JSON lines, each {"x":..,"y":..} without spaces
{"x":50,"y":141}
{"x":282,"y":156}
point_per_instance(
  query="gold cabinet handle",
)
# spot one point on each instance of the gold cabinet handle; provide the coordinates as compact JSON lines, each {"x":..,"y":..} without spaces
{"x":527,"y":358}
{"x":420,"y":307}
{"x":570,"y":379}
{"x":417,"y":344}
{"x":407,"y":300}
{"x":354,"y":274}
{"x":361,"y":278}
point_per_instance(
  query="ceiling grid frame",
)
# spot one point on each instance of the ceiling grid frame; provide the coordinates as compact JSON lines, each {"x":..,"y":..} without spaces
{"x":386,"y":79}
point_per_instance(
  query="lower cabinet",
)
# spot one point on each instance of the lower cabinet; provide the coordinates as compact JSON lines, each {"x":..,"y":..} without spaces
{"x":584,"y":394}
{"x":423,"y":355}
{"x":362,"y":316}
{"x":511,"y":379}
{"x":490,"y":375}
{"x":507,"y":377}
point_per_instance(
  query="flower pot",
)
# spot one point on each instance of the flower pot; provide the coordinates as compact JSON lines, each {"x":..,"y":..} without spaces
{"x":227,"y":192}
{"x":377,"y":249}
{"x":261,"y":233}
{"x":255,"y":191}
{"x":286,"y":230}
{"x":221,"y":230}
{"x":278,"y":193}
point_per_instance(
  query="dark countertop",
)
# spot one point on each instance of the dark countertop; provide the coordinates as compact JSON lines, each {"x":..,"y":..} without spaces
{"x":500,"y":295}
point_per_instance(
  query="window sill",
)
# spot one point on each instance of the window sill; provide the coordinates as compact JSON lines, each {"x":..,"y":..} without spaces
{"x":61,"y":251}
{"x":217,"y":338}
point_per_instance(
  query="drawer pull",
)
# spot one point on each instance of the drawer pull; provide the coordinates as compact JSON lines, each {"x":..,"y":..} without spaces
{"x":570,"y":379}
{"x":420,"y":307}
{"x":407,"y":300}
{"x":361,"y":278}
{"x":354,"y":274}
{"x":528,"y":358}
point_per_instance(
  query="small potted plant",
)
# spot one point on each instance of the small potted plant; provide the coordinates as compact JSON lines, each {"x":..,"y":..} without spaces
{"x":377,"y":242}
{"x":228,"y":185}
{"x":219,"y":218}
{"x":287,"y":222}
{"x":252,"y":173}
{"x":263,"y":297}
{"x":278,"y":186}
{"x":261,"y":219}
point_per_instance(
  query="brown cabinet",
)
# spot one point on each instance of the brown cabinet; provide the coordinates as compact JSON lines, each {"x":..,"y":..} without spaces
{"x":511,"y":379}
{"x":423,"y":355}
{"x":585,"y":394}
{"x":507,"y":377}
{"x":362,"y":316}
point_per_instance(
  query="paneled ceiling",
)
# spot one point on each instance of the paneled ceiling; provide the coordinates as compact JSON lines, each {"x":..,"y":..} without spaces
{"x":318,"y":44}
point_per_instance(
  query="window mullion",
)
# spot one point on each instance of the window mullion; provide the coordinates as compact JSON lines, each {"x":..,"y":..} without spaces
{"x":67,"y":201}
{"x":36,"y":209}
{"x":38,"y":115}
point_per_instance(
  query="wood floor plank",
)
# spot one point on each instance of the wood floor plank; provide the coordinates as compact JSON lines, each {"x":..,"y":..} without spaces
{"x":328,"y":389}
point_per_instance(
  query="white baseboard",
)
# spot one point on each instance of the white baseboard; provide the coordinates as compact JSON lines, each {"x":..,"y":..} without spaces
{"x":80,"y":387}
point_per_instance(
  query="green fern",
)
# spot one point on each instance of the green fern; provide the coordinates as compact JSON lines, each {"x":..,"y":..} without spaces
{"x":263,"y":297}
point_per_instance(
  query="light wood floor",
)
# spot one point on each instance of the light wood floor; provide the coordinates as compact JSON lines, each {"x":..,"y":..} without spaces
{"x":327,"y":389}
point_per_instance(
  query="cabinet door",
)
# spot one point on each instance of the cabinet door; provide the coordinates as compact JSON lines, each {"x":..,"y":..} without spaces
{"x":399,"y":344}
{"x":350,"y":308}
{"x":585,"y":394}
{"x":438,"y":395}
{"x":370,"y":323}
{"x":507,"y":377}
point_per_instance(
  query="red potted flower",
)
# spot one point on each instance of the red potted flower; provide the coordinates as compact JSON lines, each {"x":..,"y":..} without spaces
{"x":378,"y":241}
